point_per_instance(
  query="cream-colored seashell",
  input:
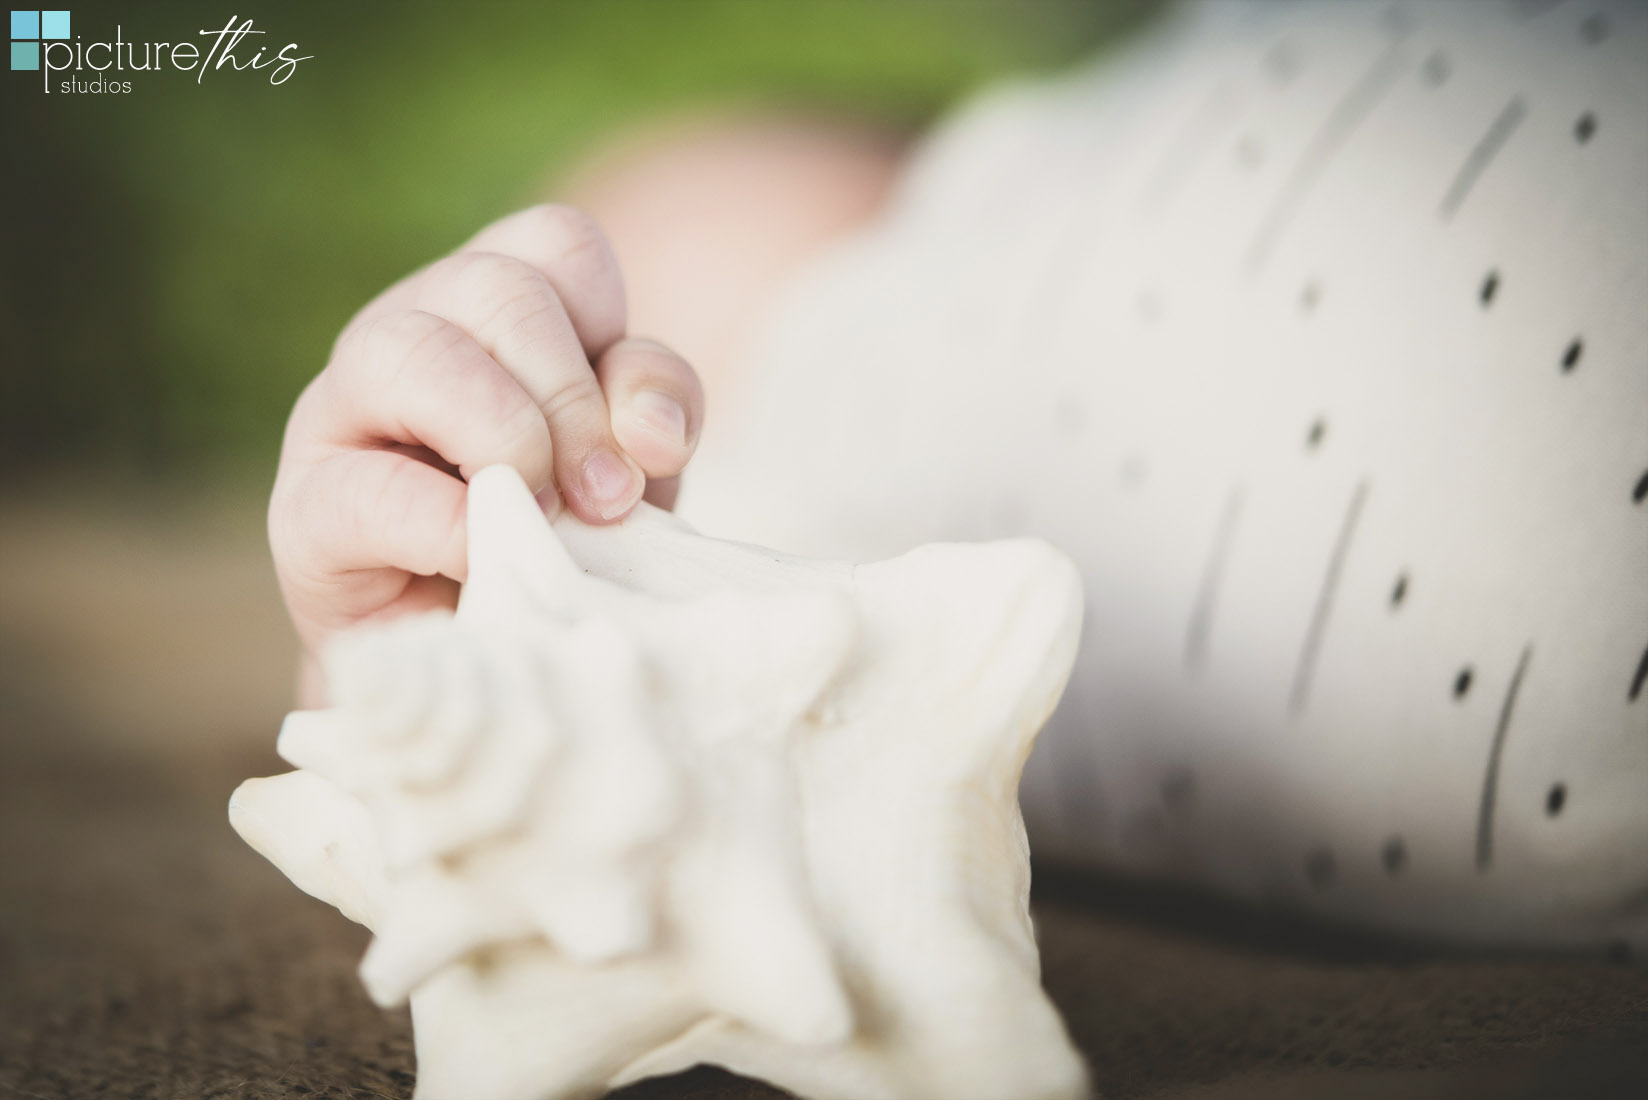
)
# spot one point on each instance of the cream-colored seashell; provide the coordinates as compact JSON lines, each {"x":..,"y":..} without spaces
{"x":650,"y":799}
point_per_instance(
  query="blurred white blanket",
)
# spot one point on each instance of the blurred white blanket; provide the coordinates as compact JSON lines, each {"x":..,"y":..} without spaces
{"x":1315,"y":333}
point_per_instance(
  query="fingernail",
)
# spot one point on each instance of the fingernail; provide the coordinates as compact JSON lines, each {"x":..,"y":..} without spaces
{"x":609,"y":484}
{"x":661,"y":414}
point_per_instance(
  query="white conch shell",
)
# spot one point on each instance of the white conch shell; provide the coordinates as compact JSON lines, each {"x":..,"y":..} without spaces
{"x":649,"y":799}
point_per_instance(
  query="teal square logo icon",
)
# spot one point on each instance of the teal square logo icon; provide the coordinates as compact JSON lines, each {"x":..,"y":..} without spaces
{"x":28,"y":29}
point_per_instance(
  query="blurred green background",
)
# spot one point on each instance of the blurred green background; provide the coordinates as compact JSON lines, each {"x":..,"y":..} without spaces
{"x":179,"y":258}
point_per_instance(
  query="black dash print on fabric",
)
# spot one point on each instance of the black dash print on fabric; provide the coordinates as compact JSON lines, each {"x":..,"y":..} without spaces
{"x":1346,"y":116}
{"x":1490,"y":780}
{"x":1399,"y":591}
{"x":1320,"y":867}
{"x":1490,"y":287}
{"x":1555,"y":799}
{"x":1585,"y":127}
{"x":1637,"y":680}
{"x":1570,"y":357}
{"x":1306,"y":667}
{"x":1462,"y":682}
{"x":1207,"y":593}
{"x":1482,"y":154}
{"x":1640,"y":493}
{"x":1394,"y":855}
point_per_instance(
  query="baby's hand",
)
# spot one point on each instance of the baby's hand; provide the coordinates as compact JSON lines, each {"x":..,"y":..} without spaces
{"x":510,"y":350}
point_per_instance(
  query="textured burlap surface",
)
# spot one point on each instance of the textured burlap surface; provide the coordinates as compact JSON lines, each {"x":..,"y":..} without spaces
{"x":145,"y":952}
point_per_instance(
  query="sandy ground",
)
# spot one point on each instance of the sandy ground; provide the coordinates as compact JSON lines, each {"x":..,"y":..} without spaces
{"x":144,"y":952}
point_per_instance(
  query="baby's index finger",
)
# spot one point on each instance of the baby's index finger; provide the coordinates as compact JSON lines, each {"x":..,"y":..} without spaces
{"x":413,"y":378}
{"x":564,"y":245}
{"x":515,"y":315}
{"x":569,"y":250}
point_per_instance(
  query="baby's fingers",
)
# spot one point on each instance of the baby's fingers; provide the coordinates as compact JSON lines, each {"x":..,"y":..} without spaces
{"x":358,"y":532}
{"x":565,"y":246}
{"x":371,"y":509}
{"x":656,"y":403}
{"x":413,"y":378}
{"x":570,"y":251}
{"x":515,"y":314}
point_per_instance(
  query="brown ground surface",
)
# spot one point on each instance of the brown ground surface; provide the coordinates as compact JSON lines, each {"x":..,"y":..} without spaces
{"x":144,"y":952}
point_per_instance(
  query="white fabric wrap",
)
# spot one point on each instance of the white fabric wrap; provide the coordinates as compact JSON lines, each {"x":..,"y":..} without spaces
{"x":1315,"y":332}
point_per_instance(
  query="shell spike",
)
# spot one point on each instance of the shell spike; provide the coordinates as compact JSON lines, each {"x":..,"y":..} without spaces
{"x":515,"y":560}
